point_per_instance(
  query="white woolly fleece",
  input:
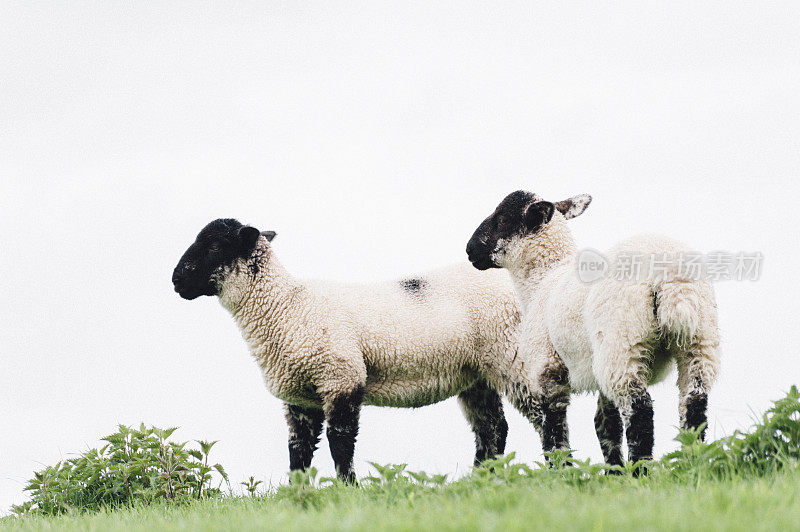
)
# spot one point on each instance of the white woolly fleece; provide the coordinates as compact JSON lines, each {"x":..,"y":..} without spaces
{"x":409,"y":347}
{"x":612,"y":335}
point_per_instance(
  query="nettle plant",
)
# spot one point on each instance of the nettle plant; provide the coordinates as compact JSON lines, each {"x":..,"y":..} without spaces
{"x":135,"y":466}
{"x":772,"y":444}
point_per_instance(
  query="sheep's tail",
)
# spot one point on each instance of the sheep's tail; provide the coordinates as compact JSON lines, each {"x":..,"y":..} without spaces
{"x":679,"y":310}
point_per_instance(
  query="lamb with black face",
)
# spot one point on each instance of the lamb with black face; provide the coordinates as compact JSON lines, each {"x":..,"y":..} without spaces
{"x":633,"y":328}
{"x":218,"y":247}
{"x":519,"y":213}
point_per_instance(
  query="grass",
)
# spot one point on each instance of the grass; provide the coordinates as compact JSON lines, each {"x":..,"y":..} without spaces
{"x":545,"y":503}
{"x":746,"y":481}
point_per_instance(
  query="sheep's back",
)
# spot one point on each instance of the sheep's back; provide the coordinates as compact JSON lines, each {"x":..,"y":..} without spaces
{"x":424,"y":331}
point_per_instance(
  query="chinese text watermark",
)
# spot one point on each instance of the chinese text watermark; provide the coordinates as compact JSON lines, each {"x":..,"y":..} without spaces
{"x":689,"y":266}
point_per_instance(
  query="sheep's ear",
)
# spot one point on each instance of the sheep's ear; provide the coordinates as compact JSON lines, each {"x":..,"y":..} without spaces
{"x":248,"y":236}
{"x":574,"y":206}
{"x":269,"y":235}
{"x":538,"y":214}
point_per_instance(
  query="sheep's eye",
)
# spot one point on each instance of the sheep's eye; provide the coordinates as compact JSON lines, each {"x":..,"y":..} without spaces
{"x":213,"y":249}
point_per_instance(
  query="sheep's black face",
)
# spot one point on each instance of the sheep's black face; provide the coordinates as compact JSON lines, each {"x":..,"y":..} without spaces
{"x":219,"y":245}
{"x":519,"y":213}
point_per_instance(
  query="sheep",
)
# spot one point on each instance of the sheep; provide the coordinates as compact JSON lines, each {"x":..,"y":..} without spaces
{"x":326,"y":348}
{"x":613,"y":336}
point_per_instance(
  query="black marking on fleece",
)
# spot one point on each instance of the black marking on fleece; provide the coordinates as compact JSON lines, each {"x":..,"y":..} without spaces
{"x":342,"y":418}
{"x":483,"y":409}
{"x":305,"y":426}
{"x":414,"y":286}
{"x":608,"y":426}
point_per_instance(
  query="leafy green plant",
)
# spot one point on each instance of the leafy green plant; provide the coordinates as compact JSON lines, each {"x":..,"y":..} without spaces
{"x":775,"y":442}
{"x":251,"y":485}
{"x":771,"y":445}
{"x":135,"y":466}
{"x":302,"y":488}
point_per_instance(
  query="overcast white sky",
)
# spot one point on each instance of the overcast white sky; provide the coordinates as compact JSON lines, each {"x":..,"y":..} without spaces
{"x":373,"y":140}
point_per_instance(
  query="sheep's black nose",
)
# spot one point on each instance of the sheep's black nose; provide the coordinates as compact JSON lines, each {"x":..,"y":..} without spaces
{"x":470,"y":248}
{"x":176,"y":277}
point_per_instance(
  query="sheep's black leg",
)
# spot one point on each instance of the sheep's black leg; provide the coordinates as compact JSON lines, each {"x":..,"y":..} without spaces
{"x":305,"y":426}
{"x":529,"y":405}
{"x":342,"y":416}
{"x":608,"y":425}
{"x":555,"y":381}
{"x":696,"y":404}
{"x":546,"y":407}
{"x":693,"y":385}
{"x":639,"y":425}
{"x":483,"y":409}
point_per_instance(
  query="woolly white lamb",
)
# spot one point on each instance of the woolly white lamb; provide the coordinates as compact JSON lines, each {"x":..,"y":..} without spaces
{"x":615,"y":336}
{"x":325,"y":348}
